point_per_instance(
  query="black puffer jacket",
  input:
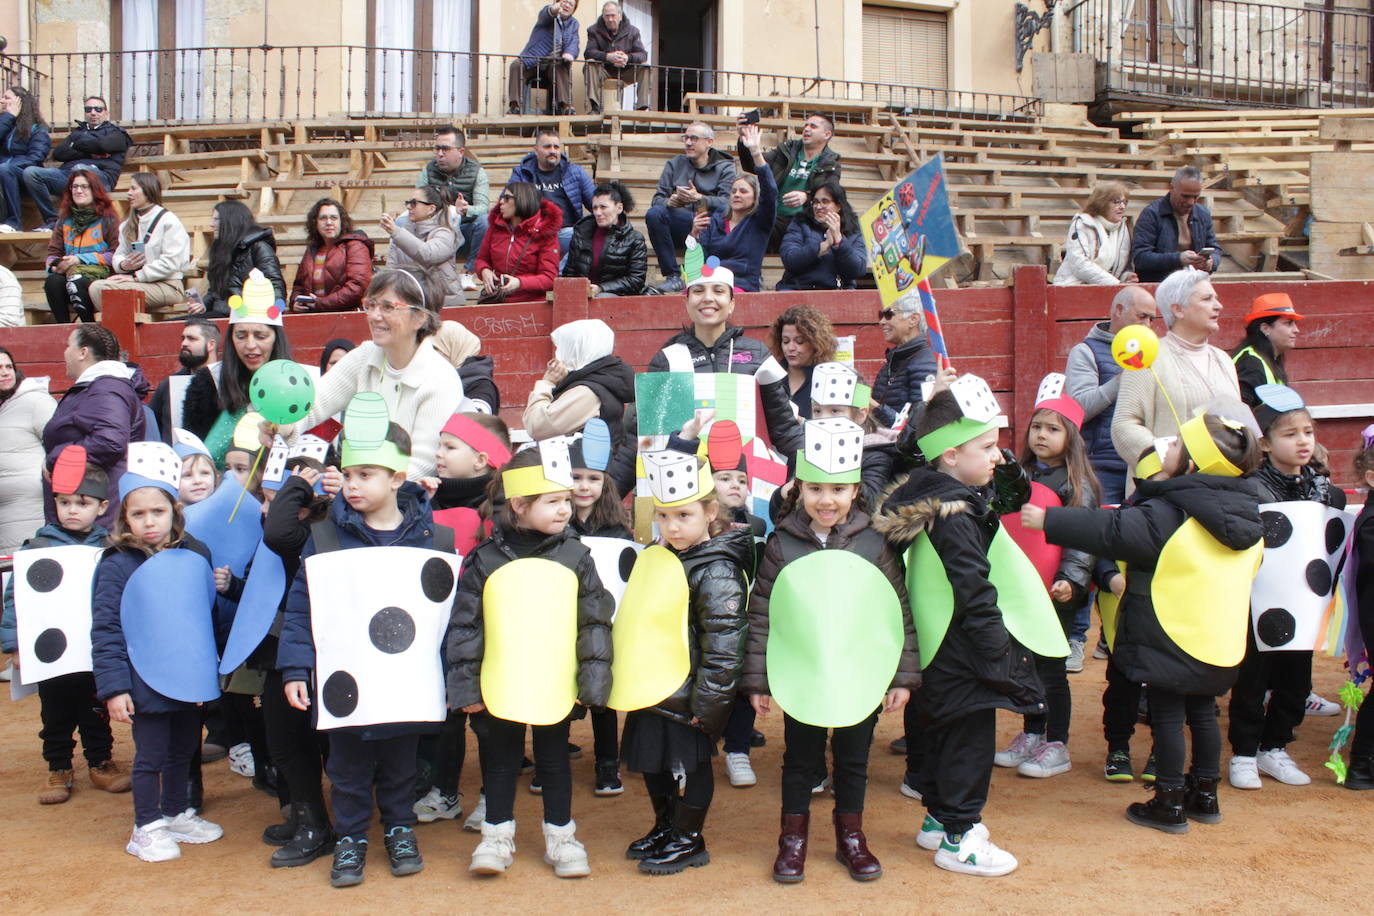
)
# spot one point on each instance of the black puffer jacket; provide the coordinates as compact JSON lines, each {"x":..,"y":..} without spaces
{"x":716,"y":630}
{"x":899,"y":379}
{"x":256,"y":249}
{"x":479,"y":382}
{"x":624,"y":261}
{"x":1226,"y":506}
{"x":613,"y":383}
{"x":465,"y":643}
{"x":800,"y":540}
{"x":979,"y":665}
{"x":1307,"y":485}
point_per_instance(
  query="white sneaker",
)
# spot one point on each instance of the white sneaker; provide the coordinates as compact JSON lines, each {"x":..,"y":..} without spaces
{"x":468,"y":281}
{"x":1074,"y":663}
{"x":1320,"y":706}
{"x":189,"y":827}
{"x":479,"y":814}
{"x":8,"y":674}
{"x":496,"y":852}
{"x":1022,"y":748}
{"x":975,"y":855}
{"x":241,"y":760}
{"x":821,"y":786}
{"x":6,"y":227}
{"x":910,"y":791}
{"x":1049,"y":759}
{"x":436,"y":805}
{"x":740,"y":771}
{"x":1280,"y":766}
{"x":563,"y":851}
{"x":1100,"y":650}
{"x":1244,"y":773}
{"x":152,"y":842}
{"x":930,"y":834}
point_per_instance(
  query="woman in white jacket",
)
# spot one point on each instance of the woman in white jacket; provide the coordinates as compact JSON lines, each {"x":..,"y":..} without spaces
{"x":154,"y":249}
{"x":25,"y":408}
{"x":423,"y":241}
{"x":1097,"y":251}
{"x":11,"y":300}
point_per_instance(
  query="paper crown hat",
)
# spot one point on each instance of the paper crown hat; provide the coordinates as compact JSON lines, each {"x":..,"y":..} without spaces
{"x":478,"y":438}
{"x":151,"y":464}
{"x":1203,"y":450}
{"x":980,"y":411}
{"x":1150,"y":464}
{"x":257,"y":303}
{"x":832,"y":453}
{"x":592,"y":448}
{"x":698,"y":269}
{"x":1051,"y":396}
{"x":835,"y":384}
{"x":552,"y":474}
{"x":186,"y":443}
{"x":274,"y":471}
{"x":69,"y":477}
{"x":365,"y":425}
{"x":1274,"y":402}
{"x":677,"y":478}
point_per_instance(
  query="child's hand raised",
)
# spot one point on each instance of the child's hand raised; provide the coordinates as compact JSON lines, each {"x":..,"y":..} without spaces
{"x":120,"y":708}
{"x":222,"y":579}
{"x":1033,"y":517}
{"x":692,"y":428}
{"x":896,"y":699}
{"x":762,"y":703}
{"x":333,"y":481}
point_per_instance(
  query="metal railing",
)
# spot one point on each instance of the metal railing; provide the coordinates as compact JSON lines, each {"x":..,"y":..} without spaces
{"x":258,"y":84}
{"x":1233,"y":52}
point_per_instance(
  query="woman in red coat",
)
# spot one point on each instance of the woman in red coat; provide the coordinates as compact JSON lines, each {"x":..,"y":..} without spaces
{"x":337,"y":266}
{"x":519,"y":256}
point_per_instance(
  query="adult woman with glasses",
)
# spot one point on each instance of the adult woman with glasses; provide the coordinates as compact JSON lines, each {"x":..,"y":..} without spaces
{"x":519,"y":257}
{"x":82,"y":246}
{"x":337,"y":265}
{"x":1097,"y":251}
{"x":908,"y":362}
{"x":424,"y":242}
{"x":420,"y":387}
{"x":824,"y":247}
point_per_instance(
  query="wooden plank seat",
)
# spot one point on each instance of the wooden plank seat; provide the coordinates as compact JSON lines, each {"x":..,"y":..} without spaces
{"x":786,"y":106}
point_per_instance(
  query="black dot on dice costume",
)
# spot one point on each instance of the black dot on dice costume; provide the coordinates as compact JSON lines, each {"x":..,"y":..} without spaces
{"x":1277,"y":529}
{"x":50,"y":645}
{"x":340,"y":694}
{"x":45,"y":575}
{"x":1319,"y":577}
{"x":1335,"y":535}
{"x":627,"y":562}
{"x":436,"y":579}
{"x":391,"y":630}
{"x":1276,"y":627}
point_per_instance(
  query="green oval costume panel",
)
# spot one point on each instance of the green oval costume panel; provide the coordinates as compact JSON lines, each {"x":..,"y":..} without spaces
{"x":1027,"y":611}
{"x":650,"y":656}
{"x":835,"y":638}
{"x":1201,"y":592}
{"x":529,"y":620}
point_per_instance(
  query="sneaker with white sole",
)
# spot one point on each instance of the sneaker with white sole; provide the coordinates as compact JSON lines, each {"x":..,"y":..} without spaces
{"x":479,"y":814}
{"x":1318,"y":705}
{"x":1074,"y":663}
{"x":241,"y":760}
{"x":152,"y":842}
{"x":1100,"y":650}
{"x":496,"y":852}
{"x":1021,"y":749}
{"x":821,"y":786}
{"x":436,"y":805}
{"x":564,"y":852}
{"x":1280,"y":766}
{"x":908,"y":789}
{"x":468,"y":281}
{"x":1049,"y":759}
{"x":1244,"y":773}
{"x":931,"y":834}
{"x":974,"y":854}
{"x":189,"y":827}
{"x":740,"y":771}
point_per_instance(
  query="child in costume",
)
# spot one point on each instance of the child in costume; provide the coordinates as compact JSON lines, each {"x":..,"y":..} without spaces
{"x":532,"y":574}
{"x":825,"y":510}
{"x":839,"y":391}
{"x":198,"y":477}
{"x":166,"y":731}
{"x":67,"y":703}
{"x":1192,"y":545}
{"x":678,"y":734}
{"x":1271,"y":689}
{"x":976,"y":666}
{"x":1361,"y":773}
{"x":1055,"y":457}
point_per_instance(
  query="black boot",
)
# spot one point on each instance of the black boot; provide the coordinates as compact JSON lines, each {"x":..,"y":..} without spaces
{"x":1163,"y":812}
{"x":281,"y":834}
{"x":1200,"y":800}
{"x":314,"y":837}
{"x":1361,"y":773}
{"x":684,"y":848}
{"x":648,"y":844}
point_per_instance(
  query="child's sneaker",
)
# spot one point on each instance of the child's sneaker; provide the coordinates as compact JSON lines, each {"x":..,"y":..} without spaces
{"x":474,"y":822}
{"x":1280,"y":766}
{"x":496,"y":852}
{"x":608,"y":779}
{"x":564,"y":852}
{"x":1318,"y":705}
{"x":57,"y":789}
{"x":740,"y":771}
{"x":821,"y":786}
{"x":1074,"y":663}
{"x":536,"y":787}
{"x":930,"y":835}
{"x":152,"y":842}
{"x":1148,"y":774}
{"x":1118,"y":768}
{"x":1049,"y":759}
{"x":908,"y":788}
{"x":241,"y":760}
{"x":436,"y":805}
{"x":189,"y":827}
{"x":974,"y":854}
{"x":403,"y":851}
{"x":110,"y":777}
{"x":1022,"y":748}
{"x":1244,"y":773}
{"x":350,"y":858}
{"x":1100,"y":650}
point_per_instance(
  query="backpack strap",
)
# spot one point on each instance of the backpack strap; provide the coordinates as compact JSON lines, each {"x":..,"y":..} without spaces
{"x":153,"y":225}
{"x":443,"y":538}
{"x":325,"y":534}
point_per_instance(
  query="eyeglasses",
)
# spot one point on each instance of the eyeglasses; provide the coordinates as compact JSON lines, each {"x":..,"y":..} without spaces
{"x":384,"y":308}
{"x":694,"y":138}
{"x":1118,"y":201}
{"x":506,"y":196}
{"x":91,"y":108}
{"x":414,"y":202}
{"x":441,"y":148}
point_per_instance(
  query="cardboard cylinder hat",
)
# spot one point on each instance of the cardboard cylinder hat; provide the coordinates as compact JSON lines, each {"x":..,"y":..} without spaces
{"x":832,"y":453}
{"x":552,"y":474}
{"x":258,"y":303}
{"x":69,"y":477}
{"x":151,"y":464}
{"x":980,"y":412}
{"x":1051,"y":396}
{"x":677,"y":478}
{"x":365,"y":442}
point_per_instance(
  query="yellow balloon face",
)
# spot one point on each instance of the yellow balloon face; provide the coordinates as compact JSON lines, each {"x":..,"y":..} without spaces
{"x":1135,"y":347}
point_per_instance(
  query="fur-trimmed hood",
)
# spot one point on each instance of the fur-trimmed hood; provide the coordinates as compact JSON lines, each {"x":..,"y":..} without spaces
{"x":912,"y":504}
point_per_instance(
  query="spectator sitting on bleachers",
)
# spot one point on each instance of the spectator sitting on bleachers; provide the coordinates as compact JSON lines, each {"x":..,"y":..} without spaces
{"x":739,"y":235}
{"x":798,"y":166}
{"x":11,"y":299}
{"x":154,"y":249}
{"x":1097,"y":251}
{"x":24,"y":141}
{"x":337,"y":264}
{"x":699,"y":177}
{"x":467,"y":184}
{"x":606,"y":249}
{"x":81,"y":248}
{"x":519,"y":257}
{"x":824,"y":247}
{"x":616,"y":50}
{"x":547,"y":58}
{"x":96,"y":144}
{"x":423,"y":242}
{"x":557,"y":179}
{"x":1175,"y":231}
{"x":240,"y":245}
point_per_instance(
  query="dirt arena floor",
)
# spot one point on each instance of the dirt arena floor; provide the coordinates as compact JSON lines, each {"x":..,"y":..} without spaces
{"x":1279,"y":850}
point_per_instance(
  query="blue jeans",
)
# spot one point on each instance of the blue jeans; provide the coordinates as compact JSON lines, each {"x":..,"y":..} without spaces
{"x":46,"y":185}
{"x":668,"y":229}
{"x":10,"y":176}
{"x":564,"y":240}
{"x":474,"y":230}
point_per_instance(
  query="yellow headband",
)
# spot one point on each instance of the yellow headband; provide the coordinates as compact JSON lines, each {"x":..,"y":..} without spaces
{"x":1149,"y":466}
{"x":706,"y":486}
{"x":528,"y":481}
{"x":1203,"y":450}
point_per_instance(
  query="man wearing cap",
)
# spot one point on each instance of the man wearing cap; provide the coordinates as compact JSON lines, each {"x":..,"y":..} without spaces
{"x":1175,"y":231}
{"x":1271,"y":330}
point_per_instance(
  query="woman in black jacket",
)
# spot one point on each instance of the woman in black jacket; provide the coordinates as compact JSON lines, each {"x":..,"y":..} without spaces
{"x":824,"y":246}
{"x":606,"y":249}
{"x":240,"y":245}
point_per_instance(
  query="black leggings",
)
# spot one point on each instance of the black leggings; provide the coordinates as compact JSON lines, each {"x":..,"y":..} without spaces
{"x":1168,"y":710}
{"x":1054,"y":722}
{"x":1120,"y":708}
{"x":804,"y":757}
{"x":60,"y":299}
{"x":68,"y":705}
{"x":605,"y":724}
{"x":501,"y":755}
{"x":163,"y":744}
{"x":297,"y":750}
{"x":698,"y":788}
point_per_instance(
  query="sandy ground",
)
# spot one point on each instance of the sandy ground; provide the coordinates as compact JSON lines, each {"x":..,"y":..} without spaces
{"x":1279,"y":850}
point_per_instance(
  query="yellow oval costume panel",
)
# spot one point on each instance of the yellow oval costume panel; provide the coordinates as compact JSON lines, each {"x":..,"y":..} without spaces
{"x":650,"y":656}
{"x":529,"y":620}
{"x":1201,"y":594}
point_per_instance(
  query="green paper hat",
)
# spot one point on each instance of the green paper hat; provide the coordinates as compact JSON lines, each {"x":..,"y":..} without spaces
{"x":980,"y":408}
{"x":832,"y":453}
{"x":366,"y":421}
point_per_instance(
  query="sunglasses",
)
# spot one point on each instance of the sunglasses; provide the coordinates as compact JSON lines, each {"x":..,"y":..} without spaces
{"x":413,"y":202}
{"x":505,"y":196}
{"x":886,"y":314}
{"x":90,"y":108}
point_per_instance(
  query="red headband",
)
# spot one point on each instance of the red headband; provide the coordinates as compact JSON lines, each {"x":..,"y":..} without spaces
{"x":478,"y":437}
{"x":1066,"y":407}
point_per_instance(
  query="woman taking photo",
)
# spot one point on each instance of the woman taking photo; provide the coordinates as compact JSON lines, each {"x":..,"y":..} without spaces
{"x":424,"y":243}
{"x":802,"y":338}
{"x":824,"y":247}
{"x":606,"y":249}
{"x":240,"y":246}
{"x":519,"y":257}
{"x":1097,"y":251}
{"x":153,"y":250}
{"x":82,"y":246}
{"x":1271,"y":330}
{"x":25,"y":408}
{"x":739,"y":234}
{"x":337,"y":265}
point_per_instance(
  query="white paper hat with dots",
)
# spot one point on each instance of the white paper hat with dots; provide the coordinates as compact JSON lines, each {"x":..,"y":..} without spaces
{"x":151,"y":464}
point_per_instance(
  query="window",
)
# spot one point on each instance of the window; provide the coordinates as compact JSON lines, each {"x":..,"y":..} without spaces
{"x":420,"y":59}
{"x":905,"y":47}
{"x":156,"y":79}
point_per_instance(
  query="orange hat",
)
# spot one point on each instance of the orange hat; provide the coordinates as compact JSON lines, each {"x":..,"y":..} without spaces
{"x":1272,"y":305}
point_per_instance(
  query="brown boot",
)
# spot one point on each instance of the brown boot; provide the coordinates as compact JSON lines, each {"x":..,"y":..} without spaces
{"x":58,"y":789}
{"x":110,"y":776}
{"x":851,"y":848}
{"x":789,"y":867}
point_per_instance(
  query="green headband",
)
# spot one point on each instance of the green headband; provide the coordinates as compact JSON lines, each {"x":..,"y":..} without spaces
{"x":812,"y":474}
{"x":952,"y":435}
{"x":384,"y":455}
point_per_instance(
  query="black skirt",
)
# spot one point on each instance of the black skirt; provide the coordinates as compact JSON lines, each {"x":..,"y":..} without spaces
{"x":656,"y":744}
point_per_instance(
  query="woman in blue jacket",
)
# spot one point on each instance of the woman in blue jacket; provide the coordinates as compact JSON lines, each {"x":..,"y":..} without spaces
{"x":739,"y":234}
{"x":824,"y":247}
{"x":24,"y":142}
